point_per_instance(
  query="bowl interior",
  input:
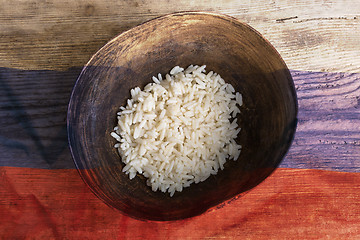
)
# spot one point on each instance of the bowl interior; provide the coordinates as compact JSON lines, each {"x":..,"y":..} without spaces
{"x":232,"y":49}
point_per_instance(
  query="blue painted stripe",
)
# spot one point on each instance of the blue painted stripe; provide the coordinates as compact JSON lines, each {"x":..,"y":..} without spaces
{"x":33,"y":105}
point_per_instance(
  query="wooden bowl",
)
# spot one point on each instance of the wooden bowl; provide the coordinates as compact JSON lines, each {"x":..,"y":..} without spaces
{"x":231,"y":48}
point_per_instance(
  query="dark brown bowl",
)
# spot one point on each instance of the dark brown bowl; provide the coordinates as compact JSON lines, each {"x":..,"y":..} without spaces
{"x":231,"y":48}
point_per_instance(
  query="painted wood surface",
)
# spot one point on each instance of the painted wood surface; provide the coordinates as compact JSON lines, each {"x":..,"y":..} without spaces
{"x":33,"y":107}
{"x":44,"y":44}
{"x":62,"y":36}
{"x":328,"y":131}
{"x":47,"y":34}
{"x":292,"y":204}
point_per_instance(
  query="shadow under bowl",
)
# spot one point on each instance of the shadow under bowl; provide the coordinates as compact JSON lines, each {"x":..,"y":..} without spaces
{"x":231,"y":48}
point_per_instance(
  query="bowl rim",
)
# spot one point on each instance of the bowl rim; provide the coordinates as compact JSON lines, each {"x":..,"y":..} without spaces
{"x":221,"y":16}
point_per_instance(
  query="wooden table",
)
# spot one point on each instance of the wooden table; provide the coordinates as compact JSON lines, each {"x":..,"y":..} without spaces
{"x":315,"y":194}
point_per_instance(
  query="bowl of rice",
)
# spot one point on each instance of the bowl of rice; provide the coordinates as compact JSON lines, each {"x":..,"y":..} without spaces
{"x":180,"y":114}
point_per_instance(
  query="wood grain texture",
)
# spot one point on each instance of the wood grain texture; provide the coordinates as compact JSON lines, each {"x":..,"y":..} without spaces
{"x":58,"y":35}
{"x":310,"y":35}
{"x":290,"y":204}
{"x":33,"y":107}
{"x":328,"y":129}
{"x":327,"y":135}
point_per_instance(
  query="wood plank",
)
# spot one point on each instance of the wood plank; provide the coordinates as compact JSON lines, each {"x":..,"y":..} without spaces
{"x":33,"y":107}
{"x":328,"y":131}
{"x":57,"y":35}
{"x":61,"y":36}
{"x":290,"y":204}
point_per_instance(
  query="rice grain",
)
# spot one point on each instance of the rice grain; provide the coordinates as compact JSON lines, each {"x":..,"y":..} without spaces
{"x":177,"y":131}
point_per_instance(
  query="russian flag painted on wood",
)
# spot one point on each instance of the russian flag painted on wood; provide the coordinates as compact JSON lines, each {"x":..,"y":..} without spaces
{"x":314,"y":194}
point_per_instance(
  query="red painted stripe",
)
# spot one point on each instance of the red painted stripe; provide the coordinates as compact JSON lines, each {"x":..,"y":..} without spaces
{"x":290,"y":204}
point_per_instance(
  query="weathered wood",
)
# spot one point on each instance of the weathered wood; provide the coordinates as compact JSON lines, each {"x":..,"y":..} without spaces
{"x":291,"y":204}
{"x":57,"y":35}
{"x":61,"y":34}
{"x":328,"y":133}
{"x":33,"y":107}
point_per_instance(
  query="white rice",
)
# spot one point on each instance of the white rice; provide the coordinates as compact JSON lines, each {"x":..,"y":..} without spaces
{"x":177,"y":131}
